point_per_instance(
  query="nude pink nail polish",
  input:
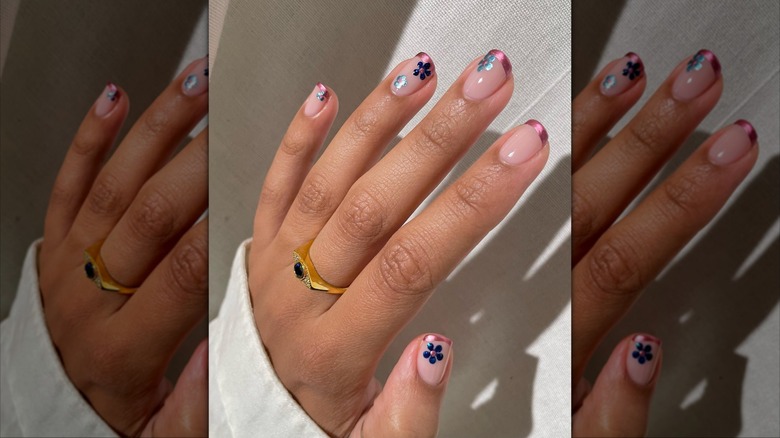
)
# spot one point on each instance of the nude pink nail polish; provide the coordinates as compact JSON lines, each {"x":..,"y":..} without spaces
{"x":432,"y":357}
{"x":642,"y":358}
{"x":107,"y":100}
{"x":196,"y":81}
{"x":623,"y":75}
{"x":316,"y":100}
{"x":526,"y":142}
{"x":488,"y":76}
{"x":734,"y":142}
{"x":413,"y":75}
{"x":699,"y":74}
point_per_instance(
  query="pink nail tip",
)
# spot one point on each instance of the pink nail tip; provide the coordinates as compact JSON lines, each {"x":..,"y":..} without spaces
{"x":749,"y":129}
{"x":437,"y":338}
{"x":709,"y":56}
{"x":426,"y":59}
{"x":501,"y":56}
{"x":633,"y":57}
{"x":113,"y":92}
{"x":539,"y":129}
{"x":647,"y":338}
{"x":323,"y":93}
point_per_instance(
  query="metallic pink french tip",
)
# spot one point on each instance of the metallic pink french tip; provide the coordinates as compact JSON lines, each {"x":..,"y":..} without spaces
{"x":107,"y":100}
{"x":501,"y":56}
{"x":432,"y":357}
{"x":712,"y":59}
{"x":537,"y":125}
{"x":749,"y":129}
{"x":316,"y":100}
{"x":490,"y":74}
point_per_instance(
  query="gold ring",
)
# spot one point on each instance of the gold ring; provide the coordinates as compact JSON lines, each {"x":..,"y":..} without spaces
{"x":97,"y":272}
{"x":304,"y":271}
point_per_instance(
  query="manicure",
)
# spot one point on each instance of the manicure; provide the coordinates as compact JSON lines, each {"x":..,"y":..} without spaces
{"x":432,"y":357}
{"x":642,"y":358}
{"x":488,"y":76}
{"x":734,"y":143}
{"x":623,"y":75}
{"x":413,"y":75}
{"x":526,"y":142}
{"x":698,"y":75}
{"x":316,"y":100}
{"x":196,"y":82}
{"x":107,"y":100}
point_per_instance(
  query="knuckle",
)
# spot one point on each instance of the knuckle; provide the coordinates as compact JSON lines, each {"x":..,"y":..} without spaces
{"x":62,"y":195}
{"x":189,"y":267}
{"x":154,"y":218}
{"x":682,"y":193}
{"x":106,"y":197}
{"x":315,"y":197}
{"x":437,"y":133}
{"x":295,"y":142}
{"x":155,"y":122}
{"x":615,"y":267}
{"x":646,"y":137}
{"x":404,"y":267}
{"x":582,"y":220}
{"x":364,"y":217}
{"x":472,"y":192}
{"x":87,"y":142}
{"x":365,"y":123}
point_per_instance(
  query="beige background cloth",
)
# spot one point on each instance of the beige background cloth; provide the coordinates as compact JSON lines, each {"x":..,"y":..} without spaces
{"x":59,"y":57}
{"x":716,"y":307}
{"x":506,"y":306}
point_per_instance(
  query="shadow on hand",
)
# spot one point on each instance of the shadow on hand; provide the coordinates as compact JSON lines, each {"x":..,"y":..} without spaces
{"x":704,"y":307}
{"x":496,"y":310}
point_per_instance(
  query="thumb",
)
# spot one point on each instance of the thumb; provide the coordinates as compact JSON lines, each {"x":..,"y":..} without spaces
{"x":410,"y":402}
{"x":185,"y":412}
{"x":619,"y":403}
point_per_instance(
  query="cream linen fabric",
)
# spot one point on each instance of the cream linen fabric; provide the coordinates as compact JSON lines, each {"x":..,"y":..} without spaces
{"x":246,"y":399}
{"x":716,"y":308}
{"x":36,"y":397}
{"x":507,"y":305}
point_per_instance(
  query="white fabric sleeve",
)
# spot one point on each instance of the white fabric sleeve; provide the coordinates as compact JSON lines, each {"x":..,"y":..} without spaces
{"x":246,"y":398}
{"x":36,"y":397}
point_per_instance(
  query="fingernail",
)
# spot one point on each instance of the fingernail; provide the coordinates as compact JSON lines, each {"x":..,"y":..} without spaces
{"x":699,"y":74}
{"x":432,"y":358}
{"x":316,"y":100}
{"x":526,"y":142}
{"x":623,"y":75}
{"x":107,"y":100}
{"x":488,"y":76}
{"x":735,"y":141}
{"x":196,"y":82}
{"x":642,"y":358}
{"x":413,"y":75}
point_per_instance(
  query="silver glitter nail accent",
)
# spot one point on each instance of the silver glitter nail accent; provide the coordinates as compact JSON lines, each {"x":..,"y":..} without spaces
{"x":111,"y":95}
{"x":321,"y":95}
{"x":400,"y":82}
{"x":609,"y":82}
{"x":190,"y":82}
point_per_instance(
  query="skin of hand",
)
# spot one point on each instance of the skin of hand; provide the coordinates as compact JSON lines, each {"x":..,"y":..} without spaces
{"x":144,"y":201}
{"x":325,"y":348}
{"x":614,"y":261}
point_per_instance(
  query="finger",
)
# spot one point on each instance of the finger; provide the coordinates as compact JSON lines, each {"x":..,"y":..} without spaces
{"x":380,"y":202}
{"x":411,"y":400}
{"x":355,"y":147}
{"x":619,"y":403}
{"x":293,"y":160}
{"x":142,"y":152}
{"x":398,"y":281}
{"x":633,"y":251}
{"x":167,"y":205}
{"x":172,"y":299}
{"x":603,"y":102}
{"x":613,"y":177}
{"x":94,"y":138}
{"x":185,"y":412}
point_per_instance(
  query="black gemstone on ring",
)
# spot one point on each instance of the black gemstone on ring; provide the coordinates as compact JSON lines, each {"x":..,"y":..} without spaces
{"x":298,"y":268}
{"x":90,"y":270}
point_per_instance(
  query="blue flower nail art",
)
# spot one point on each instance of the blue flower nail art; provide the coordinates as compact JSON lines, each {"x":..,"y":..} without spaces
{"x":486,"y":63}
{"x":643,"y":353}
{"x":696,"y":62}
{"x":433,"y":353}
{"x":632,"y":70}
{"x":190,"y":82}
{"x":400,"y":82}
{"x":422,"y":70}
{"x":609,"y":82}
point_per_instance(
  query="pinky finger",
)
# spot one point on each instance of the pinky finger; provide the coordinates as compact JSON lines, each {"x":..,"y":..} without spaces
{"x":85,"y":156}
{"x":303,"y":139}
{"x":619,"y":403}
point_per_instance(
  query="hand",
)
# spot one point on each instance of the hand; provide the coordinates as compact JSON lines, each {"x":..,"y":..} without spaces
{"x":115,"y":348}
{"x":353,"y":205}
{"x":613,"y":262}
